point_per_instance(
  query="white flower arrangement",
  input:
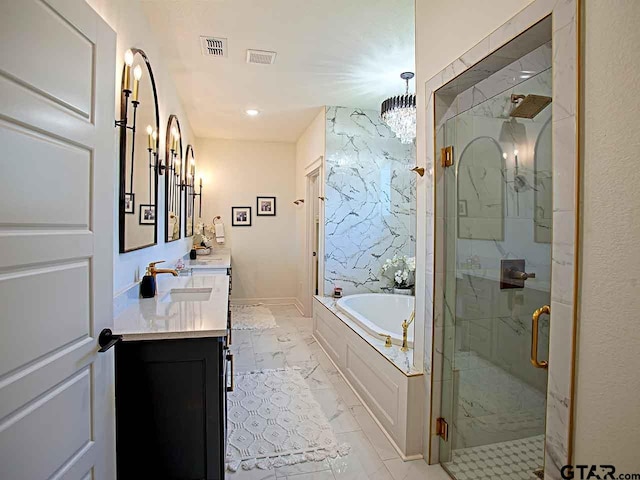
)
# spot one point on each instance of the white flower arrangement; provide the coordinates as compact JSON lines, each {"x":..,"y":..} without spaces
{"x":403,"y":268}
{"x":203,"y":234}
{"x":174,"y":225}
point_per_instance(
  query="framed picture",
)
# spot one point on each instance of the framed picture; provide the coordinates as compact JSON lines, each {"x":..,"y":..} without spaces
{"x":129,"y":203}
{"x":147,"y":214}
{"x":266,"y":206}
{"x":462,"y":208}
{"x":240,"y":216}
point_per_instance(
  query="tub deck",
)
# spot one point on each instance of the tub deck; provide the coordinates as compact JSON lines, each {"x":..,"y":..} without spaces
{"x":402,"y":360}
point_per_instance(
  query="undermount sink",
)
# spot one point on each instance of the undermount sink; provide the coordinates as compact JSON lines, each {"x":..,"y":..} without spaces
{"x":187,"y":295}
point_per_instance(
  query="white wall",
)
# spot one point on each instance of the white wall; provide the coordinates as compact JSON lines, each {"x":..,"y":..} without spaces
{"x":607,"y":417}
{"x":608,"y":383}
{"x":236,"y":172}
{"x":128,"y":20}
{"x":310,"y":146}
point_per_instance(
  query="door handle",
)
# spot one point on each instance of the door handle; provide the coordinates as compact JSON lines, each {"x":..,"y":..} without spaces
{"x":534,"y":337}
{"x":107,"y":339}
{"x":230,"y":360}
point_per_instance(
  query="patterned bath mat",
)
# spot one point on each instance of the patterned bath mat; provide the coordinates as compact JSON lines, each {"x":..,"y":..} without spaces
{"x":275,"y":421}
{"x":252,"y":317}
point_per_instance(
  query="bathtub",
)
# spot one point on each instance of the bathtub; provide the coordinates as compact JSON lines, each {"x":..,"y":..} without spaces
{"x":380,"y":313}
{"x":386,"y":383}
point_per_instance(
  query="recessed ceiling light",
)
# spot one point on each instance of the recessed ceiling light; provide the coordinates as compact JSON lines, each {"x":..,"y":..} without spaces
{"x":252,"y":113}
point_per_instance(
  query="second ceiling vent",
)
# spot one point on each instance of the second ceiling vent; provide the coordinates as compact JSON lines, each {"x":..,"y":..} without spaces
{"x":261,"y":57}
{"x":213,"y":46}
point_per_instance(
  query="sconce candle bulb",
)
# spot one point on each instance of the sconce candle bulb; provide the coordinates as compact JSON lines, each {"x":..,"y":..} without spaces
{"x":126,"y":77}
{"x":150,"y":137}
{"x":137,"y":75}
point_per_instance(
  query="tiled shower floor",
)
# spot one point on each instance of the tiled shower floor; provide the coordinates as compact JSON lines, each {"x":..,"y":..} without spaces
{"x":512,"y":460}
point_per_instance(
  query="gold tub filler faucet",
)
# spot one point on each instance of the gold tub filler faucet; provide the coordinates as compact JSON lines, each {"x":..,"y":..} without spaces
{"x":405,"y":330}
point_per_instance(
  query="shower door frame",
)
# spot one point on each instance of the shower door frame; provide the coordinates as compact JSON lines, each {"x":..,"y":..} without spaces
{"x":565,"y":251}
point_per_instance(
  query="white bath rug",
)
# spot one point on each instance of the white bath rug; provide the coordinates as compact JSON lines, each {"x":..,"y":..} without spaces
{"x":275,"y":421}
{"x":252,"y":317}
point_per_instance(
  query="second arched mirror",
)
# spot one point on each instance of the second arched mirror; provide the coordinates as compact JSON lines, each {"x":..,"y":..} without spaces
{"x":174,"y":179}
{"x":481,"y":191}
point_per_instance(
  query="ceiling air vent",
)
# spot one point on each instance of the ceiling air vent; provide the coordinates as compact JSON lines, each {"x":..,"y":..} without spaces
{"x":213,"y":46}
{"x":261,"y":57}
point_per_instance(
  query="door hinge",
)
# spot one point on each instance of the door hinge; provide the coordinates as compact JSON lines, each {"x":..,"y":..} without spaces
{"x":446,"y":156}
{"x":442,"y":429}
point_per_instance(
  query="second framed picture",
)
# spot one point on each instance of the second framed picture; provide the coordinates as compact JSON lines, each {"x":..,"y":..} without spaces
{"x":147,"y":215}
{"x":129,"y":203}
{"x":266,"y":206}
{"x":240,"y":216}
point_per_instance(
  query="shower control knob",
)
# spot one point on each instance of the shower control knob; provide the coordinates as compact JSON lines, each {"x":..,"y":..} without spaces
{"x":513,"y":274}
{"x":518,"y":275}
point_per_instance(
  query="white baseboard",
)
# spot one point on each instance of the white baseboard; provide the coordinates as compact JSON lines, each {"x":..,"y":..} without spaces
{"x":265,"y":301}
{"x":300,"y":307}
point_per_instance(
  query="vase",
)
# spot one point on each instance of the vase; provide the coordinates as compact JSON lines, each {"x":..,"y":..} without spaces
{"x":403,"y":291}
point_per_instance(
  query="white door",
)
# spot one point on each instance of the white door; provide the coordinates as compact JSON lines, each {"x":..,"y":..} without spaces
{"x":57,"y":64}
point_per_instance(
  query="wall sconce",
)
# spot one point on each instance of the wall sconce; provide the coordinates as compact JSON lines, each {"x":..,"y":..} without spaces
{"x":127,"y":92}
{"x":194,"y":195}
{"x":299,"y":201}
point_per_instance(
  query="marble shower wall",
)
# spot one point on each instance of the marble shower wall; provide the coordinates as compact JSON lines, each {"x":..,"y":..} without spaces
{"x":370,"y":206}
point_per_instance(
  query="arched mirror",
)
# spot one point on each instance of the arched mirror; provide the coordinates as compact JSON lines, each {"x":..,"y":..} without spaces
{"x":189,"y":191}
{"x":139,"y":123}
{"x":173,"y":173}
{"x":543,"y":193}
{"x":481,"y":191}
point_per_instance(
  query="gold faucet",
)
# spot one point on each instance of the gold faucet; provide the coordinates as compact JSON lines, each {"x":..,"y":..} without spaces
{"x":387,"y":340}
{"x":405,"y":329}
{"x":153,"y":271}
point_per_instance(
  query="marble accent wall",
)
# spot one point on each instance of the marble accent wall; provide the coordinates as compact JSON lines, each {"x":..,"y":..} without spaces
{"x":370,"y":206}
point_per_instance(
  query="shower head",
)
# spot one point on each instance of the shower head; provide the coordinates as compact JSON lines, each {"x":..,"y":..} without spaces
{"x":528,"y":106}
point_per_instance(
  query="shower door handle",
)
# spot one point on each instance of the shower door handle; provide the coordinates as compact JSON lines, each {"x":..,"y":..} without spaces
{"x":534,"y":337}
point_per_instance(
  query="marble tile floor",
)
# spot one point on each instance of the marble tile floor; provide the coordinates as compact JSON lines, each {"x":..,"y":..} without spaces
{"x":512,"y":460}
{"x":372,"y":456}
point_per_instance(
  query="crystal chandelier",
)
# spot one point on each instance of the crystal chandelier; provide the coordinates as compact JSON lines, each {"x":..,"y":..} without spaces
{"x":400,"y":112}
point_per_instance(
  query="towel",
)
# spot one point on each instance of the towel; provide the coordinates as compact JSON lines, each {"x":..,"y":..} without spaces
{"x":219,"y":233}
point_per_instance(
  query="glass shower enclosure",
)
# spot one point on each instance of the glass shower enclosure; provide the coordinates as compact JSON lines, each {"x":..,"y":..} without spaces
{"x":496,"y":209}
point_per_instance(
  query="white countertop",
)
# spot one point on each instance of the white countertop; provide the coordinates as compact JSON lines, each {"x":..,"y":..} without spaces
{"x":164,"y":317}
{"x":218,"y":258}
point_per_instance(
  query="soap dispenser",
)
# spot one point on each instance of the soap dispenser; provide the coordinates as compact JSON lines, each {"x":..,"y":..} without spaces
{"x":148,"y":284}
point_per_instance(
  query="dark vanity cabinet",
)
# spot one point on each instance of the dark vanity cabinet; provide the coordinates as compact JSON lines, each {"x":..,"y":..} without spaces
{"x":171,"y":408}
